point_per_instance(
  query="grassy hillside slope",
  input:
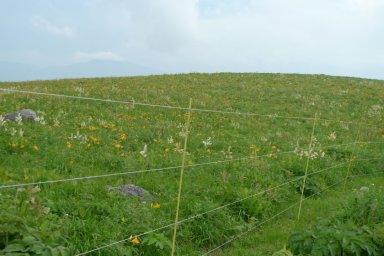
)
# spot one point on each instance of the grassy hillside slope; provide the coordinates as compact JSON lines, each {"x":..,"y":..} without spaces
{"x":82,"y":137}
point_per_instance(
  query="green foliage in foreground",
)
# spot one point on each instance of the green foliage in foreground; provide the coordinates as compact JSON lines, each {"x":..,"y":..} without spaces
{"x":358,"y":229}
{"x":78,"y":138}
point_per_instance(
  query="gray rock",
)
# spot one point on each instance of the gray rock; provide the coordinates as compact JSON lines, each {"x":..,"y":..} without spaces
{"x":133,"y":191}
{"x":26,"y":114}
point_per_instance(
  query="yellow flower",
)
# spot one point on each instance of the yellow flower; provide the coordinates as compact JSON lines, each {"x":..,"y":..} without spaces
{"x":155,"y":206}
{"x":168,"y":150}
{"x":134,"y":240}
{"x":92,"y":128}
{"x":94,"y":139}
{"x":109,"y":125}
{"x":123,"y":136}
{"x":35,"y":148}
{"x":21,"y":146}
{"x":69,"y":145}
{"x":88,"y":145}
{"x":13,"y":145}
{"x":274,"y":147}
{"x":117,"y":145}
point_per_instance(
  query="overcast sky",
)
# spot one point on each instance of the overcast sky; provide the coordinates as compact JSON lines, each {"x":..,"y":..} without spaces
{"x":338,"y":37}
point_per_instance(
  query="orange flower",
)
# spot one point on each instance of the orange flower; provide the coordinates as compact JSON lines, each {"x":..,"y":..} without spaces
{"x":134,"y":240}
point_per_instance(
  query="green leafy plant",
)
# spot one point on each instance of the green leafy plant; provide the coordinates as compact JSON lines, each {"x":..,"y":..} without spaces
{"x":340,"y":239}
{"x":156,"y":244}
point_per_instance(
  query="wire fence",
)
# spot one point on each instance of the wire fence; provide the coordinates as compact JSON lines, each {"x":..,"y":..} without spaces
{"x":134,"y":103}
{"x":106,"y":175}
{"x":311,"y":147}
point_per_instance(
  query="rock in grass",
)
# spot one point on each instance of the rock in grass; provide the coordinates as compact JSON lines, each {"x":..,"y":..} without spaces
{"x":26,"y":115}
{"x":133,"y":191}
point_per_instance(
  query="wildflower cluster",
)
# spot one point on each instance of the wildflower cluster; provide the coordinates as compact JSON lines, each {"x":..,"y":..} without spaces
{"x":375,"y":111}
{"x":144,"y":151}
{"x":79,"y":137}
{"x":40,"y":118}
{"x":332,"y":136}
{"x":122,"y":138}
{"x":227,"y":153}
{"x":254,"y":150}
{"x":2,"y":121}
{"x":207,"y":142}
{"x":310,"y":153}
{"x":183,"y":131}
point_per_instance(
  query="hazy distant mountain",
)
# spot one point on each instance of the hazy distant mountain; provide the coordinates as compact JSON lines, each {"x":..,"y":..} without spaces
{"x":11,"y":71}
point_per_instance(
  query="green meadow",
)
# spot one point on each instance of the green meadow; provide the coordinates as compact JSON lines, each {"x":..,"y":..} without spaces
{"x":249,"y":154}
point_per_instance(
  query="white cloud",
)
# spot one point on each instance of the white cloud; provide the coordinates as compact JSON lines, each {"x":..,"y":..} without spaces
{"x":366,"y":5}
{"x":41,"y":22}
{"x":102,"y":55}
{"x":316,"y":36}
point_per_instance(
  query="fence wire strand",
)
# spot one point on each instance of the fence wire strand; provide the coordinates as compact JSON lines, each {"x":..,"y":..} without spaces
{"x":9,"y":90}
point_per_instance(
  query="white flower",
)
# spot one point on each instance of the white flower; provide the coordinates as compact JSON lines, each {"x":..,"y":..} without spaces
{"x":144,"y":151}
{"x":170,"y":140}
{"x":83,"y":125}
{"x":82,"y":138}
{"x":2,"y":121}
{"x":273,"y":115}
{"x":79,"y":90}
{"x":183,"y":131}
{"x":310,"y":153}
{"x":19,"y":119}
{"x":332,"y":136}
{"x":40,"y":119}
{"x":13,"y":131}
{"x":21,"y":132}
{"x":207,"y":142}
{"x":227,"y":153}
{"x":102,"y":122}
{"x":375,"y":110}
{"x":56,"y":122}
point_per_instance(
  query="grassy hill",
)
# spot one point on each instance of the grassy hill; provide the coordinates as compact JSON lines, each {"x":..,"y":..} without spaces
{"x":86,"y":138}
